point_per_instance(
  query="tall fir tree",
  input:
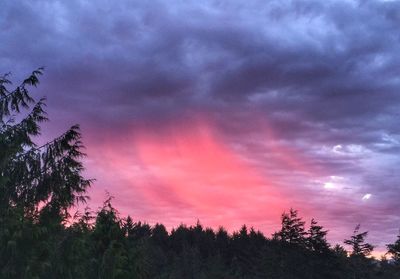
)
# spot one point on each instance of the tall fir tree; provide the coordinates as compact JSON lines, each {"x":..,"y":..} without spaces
{"x":394,"y":250}
{"x":292,"y":230}
{"x":361,"y":267}
{"x":358,"y":245}
{"x":31,"y":176}
{"x":316,"y":238}
{"x":38,"y":183}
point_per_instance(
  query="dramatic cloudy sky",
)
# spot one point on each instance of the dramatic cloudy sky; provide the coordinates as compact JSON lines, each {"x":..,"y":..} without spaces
{"x":229,"y":112}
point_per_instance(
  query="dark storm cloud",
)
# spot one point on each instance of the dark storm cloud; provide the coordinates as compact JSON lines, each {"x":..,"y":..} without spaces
{"x":333,"y":63}
{"x":322,"y":73}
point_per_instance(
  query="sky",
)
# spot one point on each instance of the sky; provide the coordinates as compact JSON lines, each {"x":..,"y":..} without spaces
{"x":227,"y":112}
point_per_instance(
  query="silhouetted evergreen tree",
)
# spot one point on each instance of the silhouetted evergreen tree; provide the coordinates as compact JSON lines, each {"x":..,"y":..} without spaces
{"x":394,"y":250}
{"x":316,"y":238}
{"x":108,"y":236}
{"x":292,"y":231}
{"x":362,"y":267}
{"x":50,"y":174}
{"x":358,"y":245}
{"x":38,"y":184}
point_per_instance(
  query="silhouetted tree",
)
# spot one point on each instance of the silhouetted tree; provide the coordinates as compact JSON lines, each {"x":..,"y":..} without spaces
{"x":357,"y":243}
{"x":292,"y":230}
{"x":394,"y":250}
{"x":316,"y":238}
{"x":339,"y":251}
{"x":361,"y":266}
{"x":49,"y":174}
{"x":108,"y":236}
{"x":38,"y":184}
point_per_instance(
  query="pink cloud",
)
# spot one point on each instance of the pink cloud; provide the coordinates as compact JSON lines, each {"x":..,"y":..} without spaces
{"x":189,"y":170}
{"x":185,"y":174}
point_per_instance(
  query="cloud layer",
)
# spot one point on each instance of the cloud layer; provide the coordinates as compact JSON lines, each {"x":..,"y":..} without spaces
{"x":225,"y":111}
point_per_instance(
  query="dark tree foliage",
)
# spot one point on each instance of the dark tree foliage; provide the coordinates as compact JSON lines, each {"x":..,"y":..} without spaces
{"x":30,"y":175}
{"x":394,"y":250}
{"x":38,"y":183}
{"x":358,"y":261}
{"x":292,"y":231}
{"x":316,"y":239}
{"x":38,"y":239}
{"x":358,"y":245}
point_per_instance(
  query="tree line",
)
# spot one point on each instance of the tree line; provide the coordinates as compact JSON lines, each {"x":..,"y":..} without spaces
{"x":39,"y":239}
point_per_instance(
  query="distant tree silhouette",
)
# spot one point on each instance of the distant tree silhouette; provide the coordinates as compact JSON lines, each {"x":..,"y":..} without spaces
{"x":394,"y":250}
{"x":292,"y":230}
{"x":357,"y":243}
{"x":361,"y":266}
{"x":316,"y":238}
{"x":339,"y":251}
{"x":108,"y":236}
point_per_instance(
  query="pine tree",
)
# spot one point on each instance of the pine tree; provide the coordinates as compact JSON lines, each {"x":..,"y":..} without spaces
{"x":357,"y":243}
{"x":394,"y":250}
{"x":316,"y":239}
{"x":128,"y":227}
{"x":360,"y":265}
{"x":339,"y":251}
{"x":108,"y":236}
{"x":38,"y":183}
{"x":292,"y":230}
{"x":49,"y":174}
{"x":159,"y":235}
